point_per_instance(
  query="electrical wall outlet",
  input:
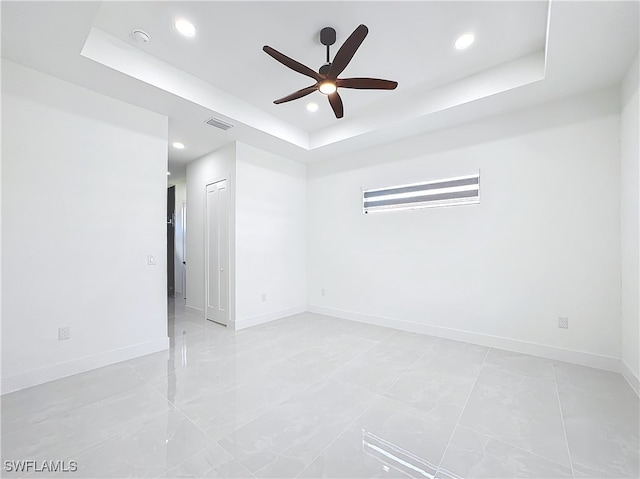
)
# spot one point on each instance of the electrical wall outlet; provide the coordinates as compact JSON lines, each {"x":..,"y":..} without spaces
{"x":264,"y":297}
{"x":563,"y":322}
{"x":64,"y":333}
{"x":323,"y":292}
{"x":151,"y":260}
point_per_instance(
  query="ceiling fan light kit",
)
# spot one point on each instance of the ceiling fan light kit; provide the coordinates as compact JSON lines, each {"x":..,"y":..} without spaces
{"x":327,"y":87}
{"x":327,"y":81}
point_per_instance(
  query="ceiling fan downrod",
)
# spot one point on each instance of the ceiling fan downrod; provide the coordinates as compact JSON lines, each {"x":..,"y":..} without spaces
{"x":327,"y":38}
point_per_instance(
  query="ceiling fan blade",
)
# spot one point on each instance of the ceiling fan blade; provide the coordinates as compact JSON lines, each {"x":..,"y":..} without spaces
{"x":336,"y":104}
{"x":298,"y":94}
{"x":367,"y":83}
{"x":347,"y":50}
{"x":291,"y":63}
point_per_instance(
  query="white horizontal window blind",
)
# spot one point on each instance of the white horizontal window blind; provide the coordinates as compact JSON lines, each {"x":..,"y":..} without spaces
{"x":462,"y":190}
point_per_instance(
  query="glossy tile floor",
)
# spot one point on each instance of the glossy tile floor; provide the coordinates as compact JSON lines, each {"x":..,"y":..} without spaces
{"x":314,"y":396}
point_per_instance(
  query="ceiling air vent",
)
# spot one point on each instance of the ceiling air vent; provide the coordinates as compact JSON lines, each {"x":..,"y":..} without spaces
{"x":223,"y":125}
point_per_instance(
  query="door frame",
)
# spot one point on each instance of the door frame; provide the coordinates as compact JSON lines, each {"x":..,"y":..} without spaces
{"x":231,"y":274}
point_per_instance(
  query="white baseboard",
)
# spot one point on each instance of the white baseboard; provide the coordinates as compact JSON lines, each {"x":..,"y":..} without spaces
{"x":551,"y":352}
{"x":80,"y":365}
{"x":195,"y":311}
{"x":265,"y":318}
{"x":630,"y":376}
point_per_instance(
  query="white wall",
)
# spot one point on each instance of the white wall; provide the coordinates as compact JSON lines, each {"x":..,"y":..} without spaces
{"x":630,"y":224}
{"x":83,"y":204}
{"x":181,"y":200}
{"x":543,"y":243}
{"x":270,"y":236}
{"x":215,"y":166}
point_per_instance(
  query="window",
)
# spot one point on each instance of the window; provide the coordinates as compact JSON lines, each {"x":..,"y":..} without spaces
{"x":462,"y":190}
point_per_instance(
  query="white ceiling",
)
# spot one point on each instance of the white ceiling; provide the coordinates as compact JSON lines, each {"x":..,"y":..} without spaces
{"x":411,"y":43}
{"x":525,"y":53}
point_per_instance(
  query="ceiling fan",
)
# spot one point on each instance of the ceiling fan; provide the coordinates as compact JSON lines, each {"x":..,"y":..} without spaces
{"x":327,"y":81}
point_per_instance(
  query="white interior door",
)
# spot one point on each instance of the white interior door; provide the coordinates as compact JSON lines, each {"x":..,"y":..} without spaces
{"x":217,"y":252}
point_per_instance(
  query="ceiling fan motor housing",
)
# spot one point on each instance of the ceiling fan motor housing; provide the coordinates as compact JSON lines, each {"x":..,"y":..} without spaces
{"x":327,"y":36}
{"x":324,"y":69}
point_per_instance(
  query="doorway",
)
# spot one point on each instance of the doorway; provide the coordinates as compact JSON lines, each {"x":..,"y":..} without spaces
{"x":171,"y":222}
{"x":183,"y":242}
{"x":217,"y":254}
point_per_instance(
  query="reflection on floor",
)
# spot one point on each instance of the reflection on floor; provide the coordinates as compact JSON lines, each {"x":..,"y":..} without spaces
{"x":315,"y":396}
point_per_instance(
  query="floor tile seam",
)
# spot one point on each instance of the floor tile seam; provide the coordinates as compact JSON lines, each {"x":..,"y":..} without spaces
{"x":144,"y":380}
{"x":234,"y":457}
{"x":353,"y":359}
{"x":193,"y":370}
{"x":266,"y":409}
{"x":404,"y":371}
{"x":269,"y":407}
{"x":527,"y":376}
{"x":564,"y":428}
{"x":187,"y":321}
{"x":197,"y":396}
{"x":176,"y":408}
{"x":343,"y":431}
{"x":520,"y":448}
{"x":600,"y":471}
{"x":506,"y":442}
{"x":394,"y":334}
{"x":199,"y":344}
{"x":189,"y":374}
{"x":37,"y":423}
{"x":75,"y":408}
{"x":475,"y":382}
{"x":598,"y":394}
{"x":108,"y":437}
{"x":249,"y":473}
{"x":353,"y":332}
{"x":185,"y":460}
{"x":289,"y":356}
{"x":188,"y":418}
{"x":189,"y":317}
{"x":266,"y":343}
{"x":146,"y":361}
{"x":179,"y":335}
{"x":67,"y":411}
{"x":193,"y":315}
{"x":239,"y":426}
{"x":332,"y":375}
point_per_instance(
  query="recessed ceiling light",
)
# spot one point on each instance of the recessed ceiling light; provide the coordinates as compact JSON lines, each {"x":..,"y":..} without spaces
{"x":185,"y":27}
{"x":178,"y":145}
{"x":313,"y":106}
{"x":465,"y":41}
